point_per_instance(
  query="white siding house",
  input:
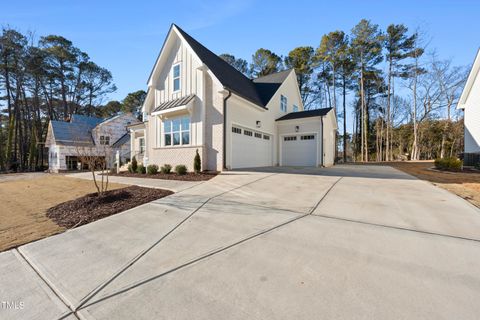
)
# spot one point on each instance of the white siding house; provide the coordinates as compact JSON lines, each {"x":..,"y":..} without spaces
{"x":81,"y":135}
{"x":470,"y":103}
{"x":197,"y":101}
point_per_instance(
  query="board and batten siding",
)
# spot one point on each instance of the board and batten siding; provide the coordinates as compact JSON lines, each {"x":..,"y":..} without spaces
{"x":190,"y":78}
{"x":472,"y":119}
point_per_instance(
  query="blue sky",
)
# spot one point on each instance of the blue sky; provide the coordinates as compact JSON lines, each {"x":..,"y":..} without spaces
{"x":126,"y":36}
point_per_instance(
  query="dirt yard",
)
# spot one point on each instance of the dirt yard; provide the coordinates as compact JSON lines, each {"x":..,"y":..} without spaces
{"x":465,"y":185}
{"x":24,"y":200}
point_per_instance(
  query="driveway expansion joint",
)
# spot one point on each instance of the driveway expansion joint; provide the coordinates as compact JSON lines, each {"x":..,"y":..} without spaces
{"x":213,"y":252}
{"x":102,"y":286}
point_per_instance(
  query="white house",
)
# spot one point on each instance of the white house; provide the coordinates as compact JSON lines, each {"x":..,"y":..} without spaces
{"x":82,"y":135}
{"x":196,"y":100}
{"x":470,"y":103}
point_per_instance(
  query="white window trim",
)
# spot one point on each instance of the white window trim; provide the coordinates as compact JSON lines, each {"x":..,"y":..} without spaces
{"x":163,"y":145}
{"x":179,"y":64}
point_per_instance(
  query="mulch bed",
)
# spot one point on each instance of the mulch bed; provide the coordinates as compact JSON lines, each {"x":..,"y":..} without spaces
{"x":190,"y":176}
{"x":92,"y":207}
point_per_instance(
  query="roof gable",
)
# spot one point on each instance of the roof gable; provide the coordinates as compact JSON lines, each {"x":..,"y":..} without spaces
{"x":258,"y":91}
{"x":472,"y":76}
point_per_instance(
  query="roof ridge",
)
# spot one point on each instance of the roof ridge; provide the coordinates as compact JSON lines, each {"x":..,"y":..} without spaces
{"x":273,"y":74}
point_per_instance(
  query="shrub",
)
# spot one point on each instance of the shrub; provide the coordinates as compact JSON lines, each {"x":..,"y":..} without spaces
{"x":134,"y":164}
{"x":452,"y":163}
{"x":181,"y":169}
{"x":141,"y":169}
{"x":197,"y":163}
{"x":152,"y":169}
{"x":166,"y":169}
{"x":130,"y":169}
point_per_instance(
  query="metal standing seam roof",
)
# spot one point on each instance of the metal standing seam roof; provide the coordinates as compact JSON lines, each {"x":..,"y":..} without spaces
{"x":305,"y":114}
{"x":258,"y":91}
{"x":174,"y":103}
{"x":77,"y":131}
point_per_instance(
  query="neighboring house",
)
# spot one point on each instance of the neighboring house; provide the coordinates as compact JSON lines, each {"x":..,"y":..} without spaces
{"x":82,"y":135}
{"x":196,"y":100}
{"x":470,"y":103}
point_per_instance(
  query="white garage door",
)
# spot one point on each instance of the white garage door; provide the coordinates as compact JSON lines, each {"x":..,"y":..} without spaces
{"x":251,"y":148}
{"x":299,"y":150}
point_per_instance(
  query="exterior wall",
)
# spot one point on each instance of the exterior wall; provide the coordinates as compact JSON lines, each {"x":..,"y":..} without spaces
{"x":114,"y":128}
{"x":205,"y":113}
{"x":245,"y":114}
{"x":472,"y":119}
{"x":306,"y":126}
{"x":329,"y":139}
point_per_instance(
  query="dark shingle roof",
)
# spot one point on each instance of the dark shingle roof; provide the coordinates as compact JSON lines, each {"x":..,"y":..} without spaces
{"x":258,"y":91}
{"x":305,"y":114}
{"x":123,"y":139}
{"x":174,"y":103}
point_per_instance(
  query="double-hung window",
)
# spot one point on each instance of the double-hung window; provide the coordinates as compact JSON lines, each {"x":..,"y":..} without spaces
{"x":295,"y":108}
{"x":283,"y":103}
{"x":176,"y":77}
{"x":176,"y":131}
{"x":104,"y":140}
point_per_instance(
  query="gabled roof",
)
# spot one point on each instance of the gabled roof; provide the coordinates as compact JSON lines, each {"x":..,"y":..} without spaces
{"x":258,"y":91}
{"x":174,"y":103}
{"x":305,"y":114}
{"x":472,"y":76}
{"x":72,"y":132}
{"x":90,"y":121}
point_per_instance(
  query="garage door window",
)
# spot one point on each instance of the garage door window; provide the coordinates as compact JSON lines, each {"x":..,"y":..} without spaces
{"x":266,"y":137}
{"x":247,"y":133}
{"x":292,"y":138}
{"x":258,"y":135}
{"x":236,"y":130}
{"x":309,"y":137}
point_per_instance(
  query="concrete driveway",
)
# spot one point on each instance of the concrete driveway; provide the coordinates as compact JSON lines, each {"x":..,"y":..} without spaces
{"x":350,"y":242}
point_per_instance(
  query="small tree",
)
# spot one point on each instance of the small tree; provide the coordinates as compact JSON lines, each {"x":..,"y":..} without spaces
{"x":134,"y":164}
{"x":197,"y":163}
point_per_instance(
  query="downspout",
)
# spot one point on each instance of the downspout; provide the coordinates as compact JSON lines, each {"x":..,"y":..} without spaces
{"x":224,"y":160}
{"x":321,"y":142}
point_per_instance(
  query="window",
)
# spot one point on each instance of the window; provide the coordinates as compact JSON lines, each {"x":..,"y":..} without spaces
{"x":258,"y":135}
{"x":247,"y":132}
{"x":283,"y":103}
{"x":141,"y":143}
{"x":236,"y":130}
{"x":176,"y":131}
{"x":266,"y":137}
{"x":291,"y":138}
{"x":176,"y":77}
{"x":309,"y":137}
{"x":105,"y":140}
{"x":295,"y":108}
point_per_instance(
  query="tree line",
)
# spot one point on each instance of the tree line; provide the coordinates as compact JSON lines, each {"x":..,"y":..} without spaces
{"x":402,"y":96}
{"x":43,"y":79}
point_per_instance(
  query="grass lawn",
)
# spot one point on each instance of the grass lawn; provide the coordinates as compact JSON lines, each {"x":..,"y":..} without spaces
{"x":24,"y":202}
{"x":465,"y":185}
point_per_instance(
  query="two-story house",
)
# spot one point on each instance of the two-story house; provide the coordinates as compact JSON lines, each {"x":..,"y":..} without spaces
{"x":197,"y":101}
{"x":68,"y":141}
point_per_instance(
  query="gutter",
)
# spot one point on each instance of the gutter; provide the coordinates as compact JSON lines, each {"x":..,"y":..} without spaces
{"x":224,"y":157}
{"x":321,"y":142}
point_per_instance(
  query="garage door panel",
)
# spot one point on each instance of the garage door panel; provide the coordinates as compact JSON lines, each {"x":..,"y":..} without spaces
{"x":250,"y":148}
{"x":299,"y":150}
